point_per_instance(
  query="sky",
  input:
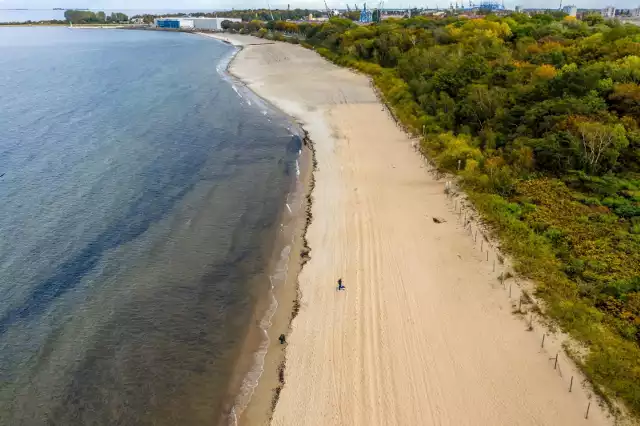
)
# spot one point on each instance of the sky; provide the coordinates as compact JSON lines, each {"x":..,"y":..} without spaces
{"x":314,"y":4}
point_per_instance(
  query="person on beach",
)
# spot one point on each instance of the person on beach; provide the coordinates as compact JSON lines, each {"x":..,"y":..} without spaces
{"x":340,"y":286}
{"x":283,"y":339}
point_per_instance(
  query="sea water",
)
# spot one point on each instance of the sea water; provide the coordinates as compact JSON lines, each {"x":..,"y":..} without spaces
{"x":34,"y":15}
{"x":139,"y":198}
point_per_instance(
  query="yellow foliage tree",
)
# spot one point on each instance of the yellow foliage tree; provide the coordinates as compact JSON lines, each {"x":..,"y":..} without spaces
{"x":545,"y":72}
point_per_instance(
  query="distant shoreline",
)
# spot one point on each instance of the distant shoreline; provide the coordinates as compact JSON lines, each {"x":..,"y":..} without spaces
{"x":12,"y":25}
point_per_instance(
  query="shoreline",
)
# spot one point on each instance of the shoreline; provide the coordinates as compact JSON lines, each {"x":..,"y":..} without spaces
{"x":259,"y":374}
{"x":259,"y":409}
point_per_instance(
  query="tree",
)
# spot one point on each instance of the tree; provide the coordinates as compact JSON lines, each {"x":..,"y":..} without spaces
{"x":626,"y":99}
{"x":546,"y":72}
{"x":593,"y":19}
{"x":118,"y":17}
{"x":601,"y":142}
{"x":481,"y":104}
{"x":354,"y":15}
{"x":254,"y":25}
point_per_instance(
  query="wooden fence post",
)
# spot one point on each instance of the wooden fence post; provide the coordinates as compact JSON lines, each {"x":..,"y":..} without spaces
{"x":586,"y":416}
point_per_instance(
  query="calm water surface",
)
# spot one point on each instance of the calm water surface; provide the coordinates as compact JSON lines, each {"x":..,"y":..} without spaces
{"x":138,"y":197}
{"x":35,"y":15}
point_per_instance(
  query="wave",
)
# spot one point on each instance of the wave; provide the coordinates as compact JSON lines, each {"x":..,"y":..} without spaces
{"x":252,"y":377}
{"x":294,"y":206}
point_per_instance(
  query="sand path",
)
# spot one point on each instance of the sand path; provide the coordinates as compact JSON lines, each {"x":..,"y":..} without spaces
{"x":424,"y":333}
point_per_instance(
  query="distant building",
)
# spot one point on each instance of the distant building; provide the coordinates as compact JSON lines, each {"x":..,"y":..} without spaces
{"x":210,"y":24}
{"x":570,"y":10}
{"x":608,"y":12}
{"x":635,"y":13}
{"x":518,"y":9}
{"x":311,"y":18}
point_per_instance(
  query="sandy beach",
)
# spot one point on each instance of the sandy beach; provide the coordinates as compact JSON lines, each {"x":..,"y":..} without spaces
{"x":424,"y":333}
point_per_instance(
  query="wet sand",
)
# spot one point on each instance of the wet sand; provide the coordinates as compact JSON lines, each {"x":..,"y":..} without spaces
{"x":424,"y":333}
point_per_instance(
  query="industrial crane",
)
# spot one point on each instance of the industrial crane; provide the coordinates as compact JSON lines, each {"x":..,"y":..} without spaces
{"x":380,"y":6}
{"x":270,"y":12}
{"x":365,"y":15}
{"x":328,"y":10}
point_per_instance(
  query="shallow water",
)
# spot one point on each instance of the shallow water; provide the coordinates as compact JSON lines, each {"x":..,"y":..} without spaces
{"x":139,"y":199}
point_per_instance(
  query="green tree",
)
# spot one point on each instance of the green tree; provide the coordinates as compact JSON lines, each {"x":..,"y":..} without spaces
{"x":118,"y":17}
{"x":481,"y":104}
{"x":601,"y":144}
{"x":593,"y":19}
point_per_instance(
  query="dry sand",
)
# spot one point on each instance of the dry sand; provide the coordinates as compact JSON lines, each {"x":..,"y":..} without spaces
{"x":424,"y":333}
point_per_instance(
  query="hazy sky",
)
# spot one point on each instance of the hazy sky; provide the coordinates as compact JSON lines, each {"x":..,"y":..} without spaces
{"x":242,"y":4}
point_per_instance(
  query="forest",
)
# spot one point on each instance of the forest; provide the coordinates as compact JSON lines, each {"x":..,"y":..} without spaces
{"x":88,"y":17}
{"x":259,"y":15}
{"x":540,"y":118}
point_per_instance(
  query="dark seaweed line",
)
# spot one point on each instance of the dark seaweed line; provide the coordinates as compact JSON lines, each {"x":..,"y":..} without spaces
{"x":304,"y":258}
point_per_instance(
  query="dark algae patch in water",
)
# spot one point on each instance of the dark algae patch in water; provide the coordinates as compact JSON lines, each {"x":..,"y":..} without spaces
{"x":141,"y":193}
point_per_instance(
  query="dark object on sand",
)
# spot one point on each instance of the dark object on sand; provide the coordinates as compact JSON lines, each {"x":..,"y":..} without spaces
{"x":282,"y":339}
{"x":439,"y":220}
{"x":340,"y":286}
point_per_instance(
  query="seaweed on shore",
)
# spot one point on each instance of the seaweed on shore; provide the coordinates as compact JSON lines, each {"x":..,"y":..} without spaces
{"x":306,"y":250}
{"x":305,"y":257}
{"x":277,"y":389}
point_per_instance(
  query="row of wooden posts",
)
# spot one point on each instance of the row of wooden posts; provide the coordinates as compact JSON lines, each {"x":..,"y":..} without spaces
{"x":467,"y":226}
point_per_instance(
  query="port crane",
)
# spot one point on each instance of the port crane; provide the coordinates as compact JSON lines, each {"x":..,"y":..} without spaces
{"x":329,"y":13}
{"x":270,"y":12}
{"x":378,"y":14}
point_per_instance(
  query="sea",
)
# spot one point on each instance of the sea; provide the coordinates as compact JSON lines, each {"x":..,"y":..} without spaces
{"x":142,"y":191}
{"x":35,"y":15}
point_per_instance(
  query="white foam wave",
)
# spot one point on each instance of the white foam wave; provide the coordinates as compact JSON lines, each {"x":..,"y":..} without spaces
{"x":252,"y":378}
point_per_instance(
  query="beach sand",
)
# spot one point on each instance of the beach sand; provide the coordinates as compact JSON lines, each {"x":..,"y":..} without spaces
{"x":425,"y":333}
